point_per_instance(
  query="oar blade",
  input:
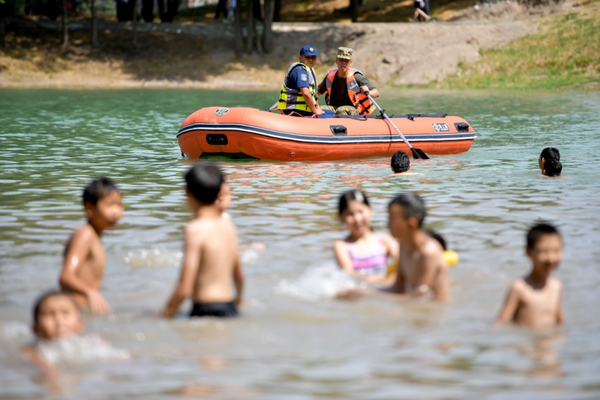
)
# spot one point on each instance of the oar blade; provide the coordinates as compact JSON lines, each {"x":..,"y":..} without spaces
{"x":419,"y":154}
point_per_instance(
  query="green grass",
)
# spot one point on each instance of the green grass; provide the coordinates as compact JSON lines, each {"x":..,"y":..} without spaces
{"x":565,"y":54}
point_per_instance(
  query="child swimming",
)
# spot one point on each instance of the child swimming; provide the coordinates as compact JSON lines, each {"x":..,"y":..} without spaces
{"x":400,"y":162}
{"x":85,"y":259}
{"x":211,"y":255}
{"x":58,"y":327}
{"x":363,"y":253}
{"x":549,"y":162}
{"x":535,"y":300}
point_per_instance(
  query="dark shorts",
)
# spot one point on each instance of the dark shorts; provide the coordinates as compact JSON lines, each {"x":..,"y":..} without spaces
{"x":425,"y":6}
{"x":221,"y":310}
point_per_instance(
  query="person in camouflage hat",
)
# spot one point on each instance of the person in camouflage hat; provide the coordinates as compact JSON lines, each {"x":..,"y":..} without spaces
{"x":346,"y":87}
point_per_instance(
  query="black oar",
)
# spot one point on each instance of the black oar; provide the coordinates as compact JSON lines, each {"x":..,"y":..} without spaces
{"x":417,"y":153}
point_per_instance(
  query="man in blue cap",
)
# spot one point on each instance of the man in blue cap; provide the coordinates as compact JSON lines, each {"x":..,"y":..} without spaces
{"x":299,"y":90}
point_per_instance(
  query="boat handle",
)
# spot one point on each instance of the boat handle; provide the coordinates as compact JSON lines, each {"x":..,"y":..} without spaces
{"x":339,"y":130}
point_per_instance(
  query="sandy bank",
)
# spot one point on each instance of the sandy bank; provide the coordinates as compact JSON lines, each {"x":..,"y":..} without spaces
{"x":201,"y":54}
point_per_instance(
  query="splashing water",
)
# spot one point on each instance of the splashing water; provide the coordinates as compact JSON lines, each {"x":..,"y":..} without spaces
{"x":318,"y":283}
{"x":79,"y":349}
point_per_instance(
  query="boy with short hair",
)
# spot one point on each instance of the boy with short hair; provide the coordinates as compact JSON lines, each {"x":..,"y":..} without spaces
{"x":422,"y":269}
{"x":549,"y":162}
{"x":552,"y":168}
{"x":400,"y":162}
{"x":535,"y":300}
{"x":85,"y":259}
{"x":211,"y":256}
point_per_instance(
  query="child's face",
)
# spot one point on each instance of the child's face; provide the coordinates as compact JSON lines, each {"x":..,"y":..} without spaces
{"x":357,"y":217}
{"x":58,"y":317}
{"x":541,"y":162}
{"x":398,"y":224}
{"x":224,"y":199}
{"x":546,"y":255}
{"x":107,"y":212}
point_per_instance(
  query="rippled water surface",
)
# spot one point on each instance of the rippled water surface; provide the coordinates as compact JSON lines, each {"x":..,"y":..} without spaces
{"x":294,"y":341}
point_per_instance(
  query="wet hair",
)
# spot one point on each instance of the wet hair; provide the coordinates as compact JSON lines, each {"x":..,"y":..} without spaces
{"x":97,"y":189}
{"x":549,"y":153}
{"x":539,"y":230}
{"x":552,"y":167}
{"x":400,"y":162}
{"x":433,"y":234}
{"x":204,"y":182}
{"x":412,"y":205}
{"x":48,"y":295}
{"x":352,"y":195}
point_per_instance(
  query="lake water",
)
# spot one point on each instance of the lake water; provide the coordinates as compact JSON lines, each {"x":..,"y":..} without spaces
{"x":294,"y":341}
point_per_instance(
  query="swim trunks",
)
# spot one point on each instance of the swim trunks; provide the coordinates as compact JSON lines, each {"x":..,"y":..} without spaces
{"x":221,"y":310}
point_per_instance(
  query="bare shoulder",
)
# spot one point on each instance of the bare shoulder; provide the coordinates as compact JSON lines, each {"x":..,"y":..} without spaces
{"x":432,"y":250}
{"x":519,"y":286}
{"x":554,"y":283}
{"x":339,"y":244}
{"x":83,"y":235}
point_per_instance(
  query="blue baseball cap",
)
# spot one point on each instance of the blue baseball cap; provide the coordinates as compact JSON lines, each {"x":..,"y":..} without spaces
{"x":308,"y":51}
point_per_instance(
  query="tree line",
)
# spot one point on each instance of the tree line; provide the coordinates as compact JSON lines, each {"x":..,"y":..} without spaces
{"x":253,"y":20}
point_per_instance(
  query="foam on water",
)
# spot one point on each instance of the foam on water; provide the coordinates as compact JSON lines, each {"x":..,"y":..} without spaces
{"x":318,"y":283}
{"x":79,"y":349}
{"x":153,"y":258}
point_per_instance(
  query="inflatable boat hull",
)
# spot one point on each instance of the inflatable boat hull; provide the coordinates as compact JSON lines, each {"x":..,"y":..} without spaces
{"x":264,"y":135}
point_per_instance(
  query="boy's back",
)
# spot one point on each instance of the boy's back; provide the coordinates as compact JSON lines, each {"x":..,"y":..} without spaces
{"x":211,"y":256}
{"x":215,"y":240}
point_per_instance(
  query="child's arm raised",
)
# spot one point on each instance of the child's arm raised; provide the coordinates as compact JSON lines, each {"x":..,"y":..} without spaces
{"x":77,"y":251}
{"x":189,"y":272}
{"x":510,"y":306}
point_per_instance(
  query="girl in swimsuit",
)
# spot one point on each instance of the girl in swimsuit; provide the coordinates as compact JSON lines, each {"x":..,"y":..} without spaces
{"x":363,"y":253}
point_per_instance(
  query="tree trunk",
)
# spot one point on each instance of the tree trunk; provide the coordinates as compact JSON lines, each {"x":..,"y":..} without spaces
{"x":161,"y":10}
{"x":268,"y":26}
{"x":65,"y":25}
{"x":2,"y":31}
{"x":277,"y":11}
{"x":239,"y":40}
{"x":148,"y":10}
{"x":95,"y":43}
{"x":135,"y":18}
{"x":354,"y":10}
{"x":250,"y":37}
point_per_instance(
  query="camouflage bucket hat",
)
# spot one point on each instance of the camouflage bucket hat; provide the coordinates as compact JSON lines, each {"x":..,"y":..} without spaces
{"x":345,"y":52}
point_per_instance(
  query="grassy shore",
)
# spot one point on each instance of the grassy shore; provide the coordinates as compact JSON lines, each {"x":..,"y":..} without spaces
{"x":564,"y":55}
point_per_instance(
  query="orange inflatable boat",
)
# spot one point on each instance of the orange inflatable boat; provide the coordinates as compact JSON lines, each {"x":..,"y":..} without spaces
{"x":248,"y":132}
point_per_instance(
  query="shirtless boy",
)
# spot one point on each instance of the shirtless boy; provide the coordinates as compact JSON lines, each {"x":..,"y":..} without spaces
{"x":211,"y":257}
{"x":422,"y":269}
{"x":84,"y":262}
{"x":535,"y":300}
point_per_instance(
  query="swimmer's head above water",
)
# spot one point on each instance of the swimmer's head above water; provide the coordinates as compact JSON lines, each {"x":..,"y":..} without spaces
{"x":400,"y":162}
{"x":55,"y":316}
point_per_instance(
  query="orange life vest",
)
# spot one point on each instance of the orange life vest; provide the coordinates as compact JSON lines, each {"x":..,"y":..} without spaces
{"x":360,"y":101}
